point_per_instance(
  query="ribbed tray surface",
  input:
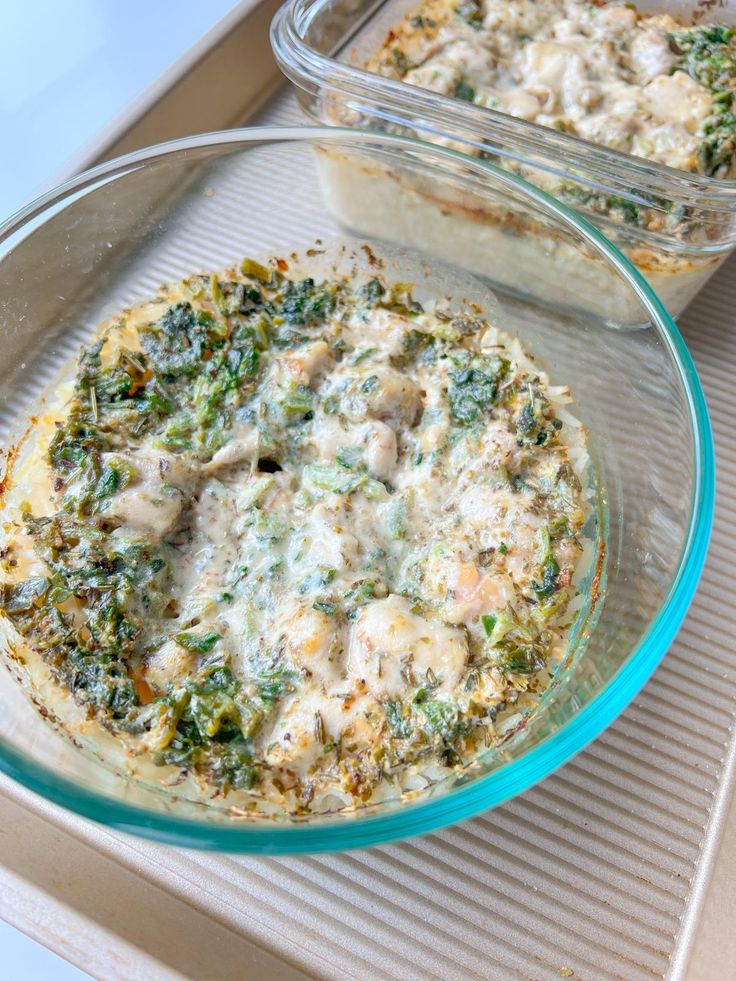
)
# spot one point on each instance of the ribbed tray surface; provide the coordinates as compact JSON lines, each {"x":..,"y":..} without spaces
{"x":593,"y":870}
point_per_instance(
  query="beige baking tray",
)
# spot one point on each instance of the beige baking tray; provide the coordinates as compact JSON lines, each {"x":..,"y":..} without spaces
{"x":621,"y":865}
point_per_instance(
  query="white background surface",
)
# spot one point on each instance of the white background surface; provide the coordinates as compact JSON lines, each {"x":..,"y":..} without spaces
{"x":25,"y":960}
{"x":67,"y":69}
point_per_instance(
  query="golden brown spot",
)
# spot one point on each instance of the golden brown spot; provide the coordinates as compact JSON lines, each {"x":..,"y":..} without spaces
{"x":143,"y":690}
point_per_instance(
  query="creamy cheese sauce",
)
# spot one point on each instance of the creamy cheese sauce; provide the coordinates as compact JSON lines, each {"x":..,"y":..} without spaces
{"x":603,"y":72}
{"x":309,"y":542}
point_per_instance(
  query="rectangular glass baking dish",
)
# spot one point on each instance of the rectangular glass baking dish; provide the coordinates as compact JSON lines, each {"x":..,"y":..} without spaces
{"x":677,"y":228}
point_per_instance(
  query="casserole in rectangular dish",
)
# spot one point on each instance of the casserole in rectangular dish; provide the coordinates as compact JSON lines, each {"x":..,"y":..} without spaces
{"x":676,"y":226}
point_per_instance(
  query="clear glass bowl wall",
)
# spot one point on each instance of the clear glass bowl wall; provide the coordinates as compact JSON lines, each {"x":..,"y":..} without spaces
{"x":319,"y":45}
{"x":110,"y":238}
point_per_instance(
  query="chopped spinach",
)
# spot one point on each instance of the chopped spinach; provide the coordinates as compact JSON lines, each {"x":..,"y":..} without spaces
{"x":305,"y":303}
{"x":465,"y":92}
{"x":372,"y":292}
{"x":519,"y":659}
{"x":176,"y":343}
{"x":295,"y":404}
{"x":334,"y":477}
{"x":23,"y":596}
{"x":198,"y":643}
{"x":212,"y":719}
{"x":474,"y":388}
{"x":398,"y":718}
{"x":489,"y":622}
{"x":351,"y":458}
{"x":708,"y":54}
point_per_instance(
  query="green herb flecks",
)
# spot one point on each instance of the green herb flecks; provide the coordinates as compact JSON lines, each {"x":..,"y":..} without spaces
{"x":534,"y":422}
{"x":512,"y":645}
{"x":546,"y":584}
{"x":358,"y":595}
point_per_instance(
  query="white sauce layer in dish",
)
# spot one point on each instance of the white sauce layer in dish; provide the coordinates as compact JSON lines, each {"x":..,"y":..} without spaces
{"x":311,"y":543}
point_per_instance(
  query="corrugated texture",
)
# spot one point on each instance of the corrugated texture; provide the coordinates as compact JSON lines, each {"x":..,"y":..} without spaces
{"x":591,"y":870}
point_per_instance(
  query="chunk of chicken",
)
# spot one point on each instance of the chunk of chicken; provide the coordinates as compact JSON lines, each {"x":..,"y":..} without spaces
{"x":612,"y":22}
{"x":314,"y":642}
{"x":544,"y":63}
{"x":327,"y":539}
{"x":678,"y":99}
{"x":515,"y":17}
{"x":241,"y":448}
{"x":169,"y":667}
{"x":464,"y":591}
{"x":379,"y":441}
{"x":375,"y":438}
{"x":435,"y":75}
{"x":384,"y":394}
{"x":309,"y":722}
{"x":305,"y":364}
{"x":384,"y":329}
{"x":154,"y":499}
{"x":614,"y":129}
{"x":523,"y":105}
{"x":650,"y":55}
{"x":389,"y":643}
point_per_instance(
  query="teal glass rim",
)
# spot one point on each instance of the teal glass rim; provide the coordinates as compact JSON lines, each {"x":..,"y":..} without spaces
{"x":510,"y":779}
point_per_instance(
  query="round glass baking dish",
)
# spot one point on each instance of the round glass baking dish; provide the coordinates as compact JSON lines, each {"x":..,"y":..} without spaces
{"x":111,"y":236}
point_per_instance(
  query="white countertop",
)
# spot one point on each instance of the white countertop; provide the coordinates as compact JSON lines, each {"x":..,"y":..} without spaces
{"x":67,"y":69}
{"x":25,"y":960}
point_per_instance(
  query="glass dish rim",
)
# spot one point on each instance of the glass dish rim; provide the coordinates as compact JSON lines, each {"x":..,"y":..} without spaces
{"x":292,"y":51}
{"x":511,"y":778}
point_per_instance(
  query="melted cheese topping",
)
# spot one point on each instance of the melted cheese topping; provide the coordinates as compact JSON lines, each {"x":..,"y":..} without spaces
{"x":603,"y":72}
{"x":351,"y":576}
